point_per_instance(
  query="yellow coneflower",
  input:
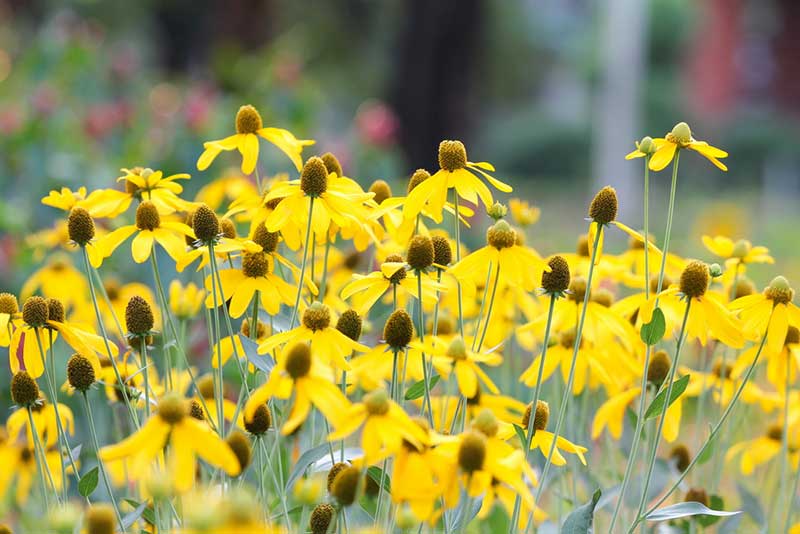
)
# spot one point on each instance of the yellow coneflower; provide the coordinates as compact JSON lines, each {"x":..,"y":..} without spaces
{"x":149,"y":229}
{"x":770,"y":312}
{"x":249,"y":127}
{"x":298,"y":372}
{"x":455,"y":172}
{"x":187,"y":438}
{"x":680,"y":138}
{"x":385,"y":426}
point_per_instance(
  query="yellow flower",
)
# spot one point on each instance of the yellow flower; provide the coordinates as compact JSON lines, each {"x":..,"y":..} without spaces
{"x":771,"y":311}
{"x":185,"y":301}
{"x":44,"y":418}
{"x":187,"y":438}
{"x":59,"y":279}
{"x":119,"y":295}
{"x":335,"y":200}
{"x":611,"y":415}
{"x":19,"y":462}
{"x":458,"y":357}
{"x":707,"y":313}
{"x":329,"y":343}
{"x":369,"y":288}
{"x":414,"y":480}
{"x":149,"y":229}
{"x":543,"y":440}
{"x":230,"y":187}
{"x":681,"y":137}
{"x":764,"y":448}
{"x":298,"y":372}
{"x":516,"y":265}
{"x":248,"y":128}
{"x":523,"y":213}
{"x":645,"y":147}
{"x":740,"y":252}
{"x":455,"y":172}
{"x":385,"y":426}
{"x":723,"y":381}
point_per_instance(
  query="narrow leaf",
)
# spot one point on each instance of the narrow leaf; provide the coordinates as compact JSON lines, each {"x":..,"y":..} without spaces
{"x":417,"y":389}
{"x":308,"y":458}
{"x":686,"y":509}
{"x":678,"y":387}
{"x":147,"y":513}
{"x":379,"y":477}
{"x":751,"y":505}
{"x":716,"y":503}
{"x":88,"y":482}
{"x":708,"y":452}
{"x":262,"y":362}
{"x":653,"y":331}
{"x":521,"y":435}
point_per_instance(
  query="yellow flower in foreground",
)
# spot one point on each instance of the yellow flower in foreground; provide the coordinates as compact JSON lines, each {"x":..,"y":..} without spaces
{"x":518,"y":265}
{"x":329,"y":343}
{"x":707,"y":313}
{"x":297,"y":371}
{"x":187,"y":438}
{"x":385,"y":426}
{"x":149,"y":229}
{"x":241,"y":285}
{"x":681,"y":137}
{"x":248,"y":128}
{"x":455,"y":172}
{"x":543,"y":440}
{"x":771,"y":311}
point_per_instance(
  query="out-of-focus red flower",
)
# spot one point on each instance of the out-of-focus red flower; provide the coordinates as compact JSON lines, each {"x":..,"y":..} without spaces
{"x":197,"y":106}
{"x":377,"y":123}
{"x":288,"y":69}
{"x":11,"y":120}
{"x":44,"y":99}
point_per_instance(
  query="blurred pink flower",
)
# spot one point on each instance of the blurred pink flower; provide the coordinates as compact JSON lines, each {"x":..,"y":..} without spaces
{"x":288,"y":69}
{"x":11,"y":120}
{"x":377,"y":123}
{"x":44,"y":99}
{"x":197,"y":106}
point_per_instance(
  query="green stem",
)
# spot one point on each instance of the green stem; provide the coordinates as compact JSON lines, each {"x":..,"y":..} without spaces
{"x":254,"y":322}
{"x":491,"y":306}
{"x":670,"y":382}
{"x":571,"y":378}
{"x":218,"y":374}
{"x":458,"y":259}
{"x":301,"y":280}
{"x":530,"y":430}
{"x":143,"y":355}
{"x":103,"y":473}
{"x":421,"y":332}
{"x":324,"y":283}
{"x":784,"y":437}
{"x":714,"y":431}
{"x":790,"y":509}
{"x":42,"y":460}
{"x":123,"y":387}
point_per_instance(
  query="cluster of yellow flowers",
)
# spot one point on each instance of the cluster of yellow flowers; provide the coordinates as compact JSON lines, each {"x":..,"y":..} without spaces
{"x":366,"y":330}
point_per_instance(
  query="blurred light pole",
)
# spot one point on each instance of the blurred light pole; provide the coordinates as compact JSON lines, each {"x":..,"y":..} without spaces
{"x":622,"y":48}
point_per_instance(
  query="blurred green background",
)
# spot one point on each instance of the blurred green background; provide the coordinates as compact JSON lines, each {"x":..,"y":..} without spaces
{"x":552,"y":93}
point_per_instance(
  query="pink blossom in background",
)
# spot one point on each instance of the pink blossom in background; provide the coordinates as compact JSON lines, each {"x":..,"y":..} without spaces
{"x":376,"y":123}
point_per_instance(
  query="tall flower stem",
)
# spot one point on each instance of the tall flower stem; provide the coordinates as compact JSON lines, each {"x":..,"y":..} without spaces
{"x":562,"y":410}
{"x":421,"y":332}
{"x":218,"y":370}
{"x":491,"y":307}
{"x":146,"y":373}
{"x":324,"y":283}
{"x":670,"y":382}
{"x":302,"y":277}
{"x":711,"y":437}
{"x":530,"y":430}
{"x":254,"y":321}
{"x":42,"y":461}
{"x":785,"y":438}
{"x":166,"y":310}
{"x":63,"y":442}
{"x":458,"y":259}
{"x":123,"y":387}
{"x":637,"y":436}
{"x":791,"y":507}
{"x":103,"y":473}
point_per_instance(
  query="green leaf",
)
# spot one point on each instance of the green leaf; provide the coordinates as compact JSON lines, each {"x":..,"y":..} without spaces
{"x":308,"y":458}
{"x":262,"y":362}
{"x":653,"y":331}
{"x":686,"y":509}
{"x":708,"y":452}
{"x":521,"y":435}
{"x":678,"y":387}
{"x":750,"y":505}
{"x":147,"y":512}
{"x":716,"y":503}
{"x":417,"y":389}
{"x":88,"y":482}
{"x":375,"y":473}
{"x":580,"y":520}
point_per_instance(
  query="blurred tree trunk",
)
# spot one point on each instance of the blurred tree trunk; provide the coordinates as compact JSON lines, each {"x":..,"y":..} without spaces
{"x":431,"y":88}
{"x":623,"y":44}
